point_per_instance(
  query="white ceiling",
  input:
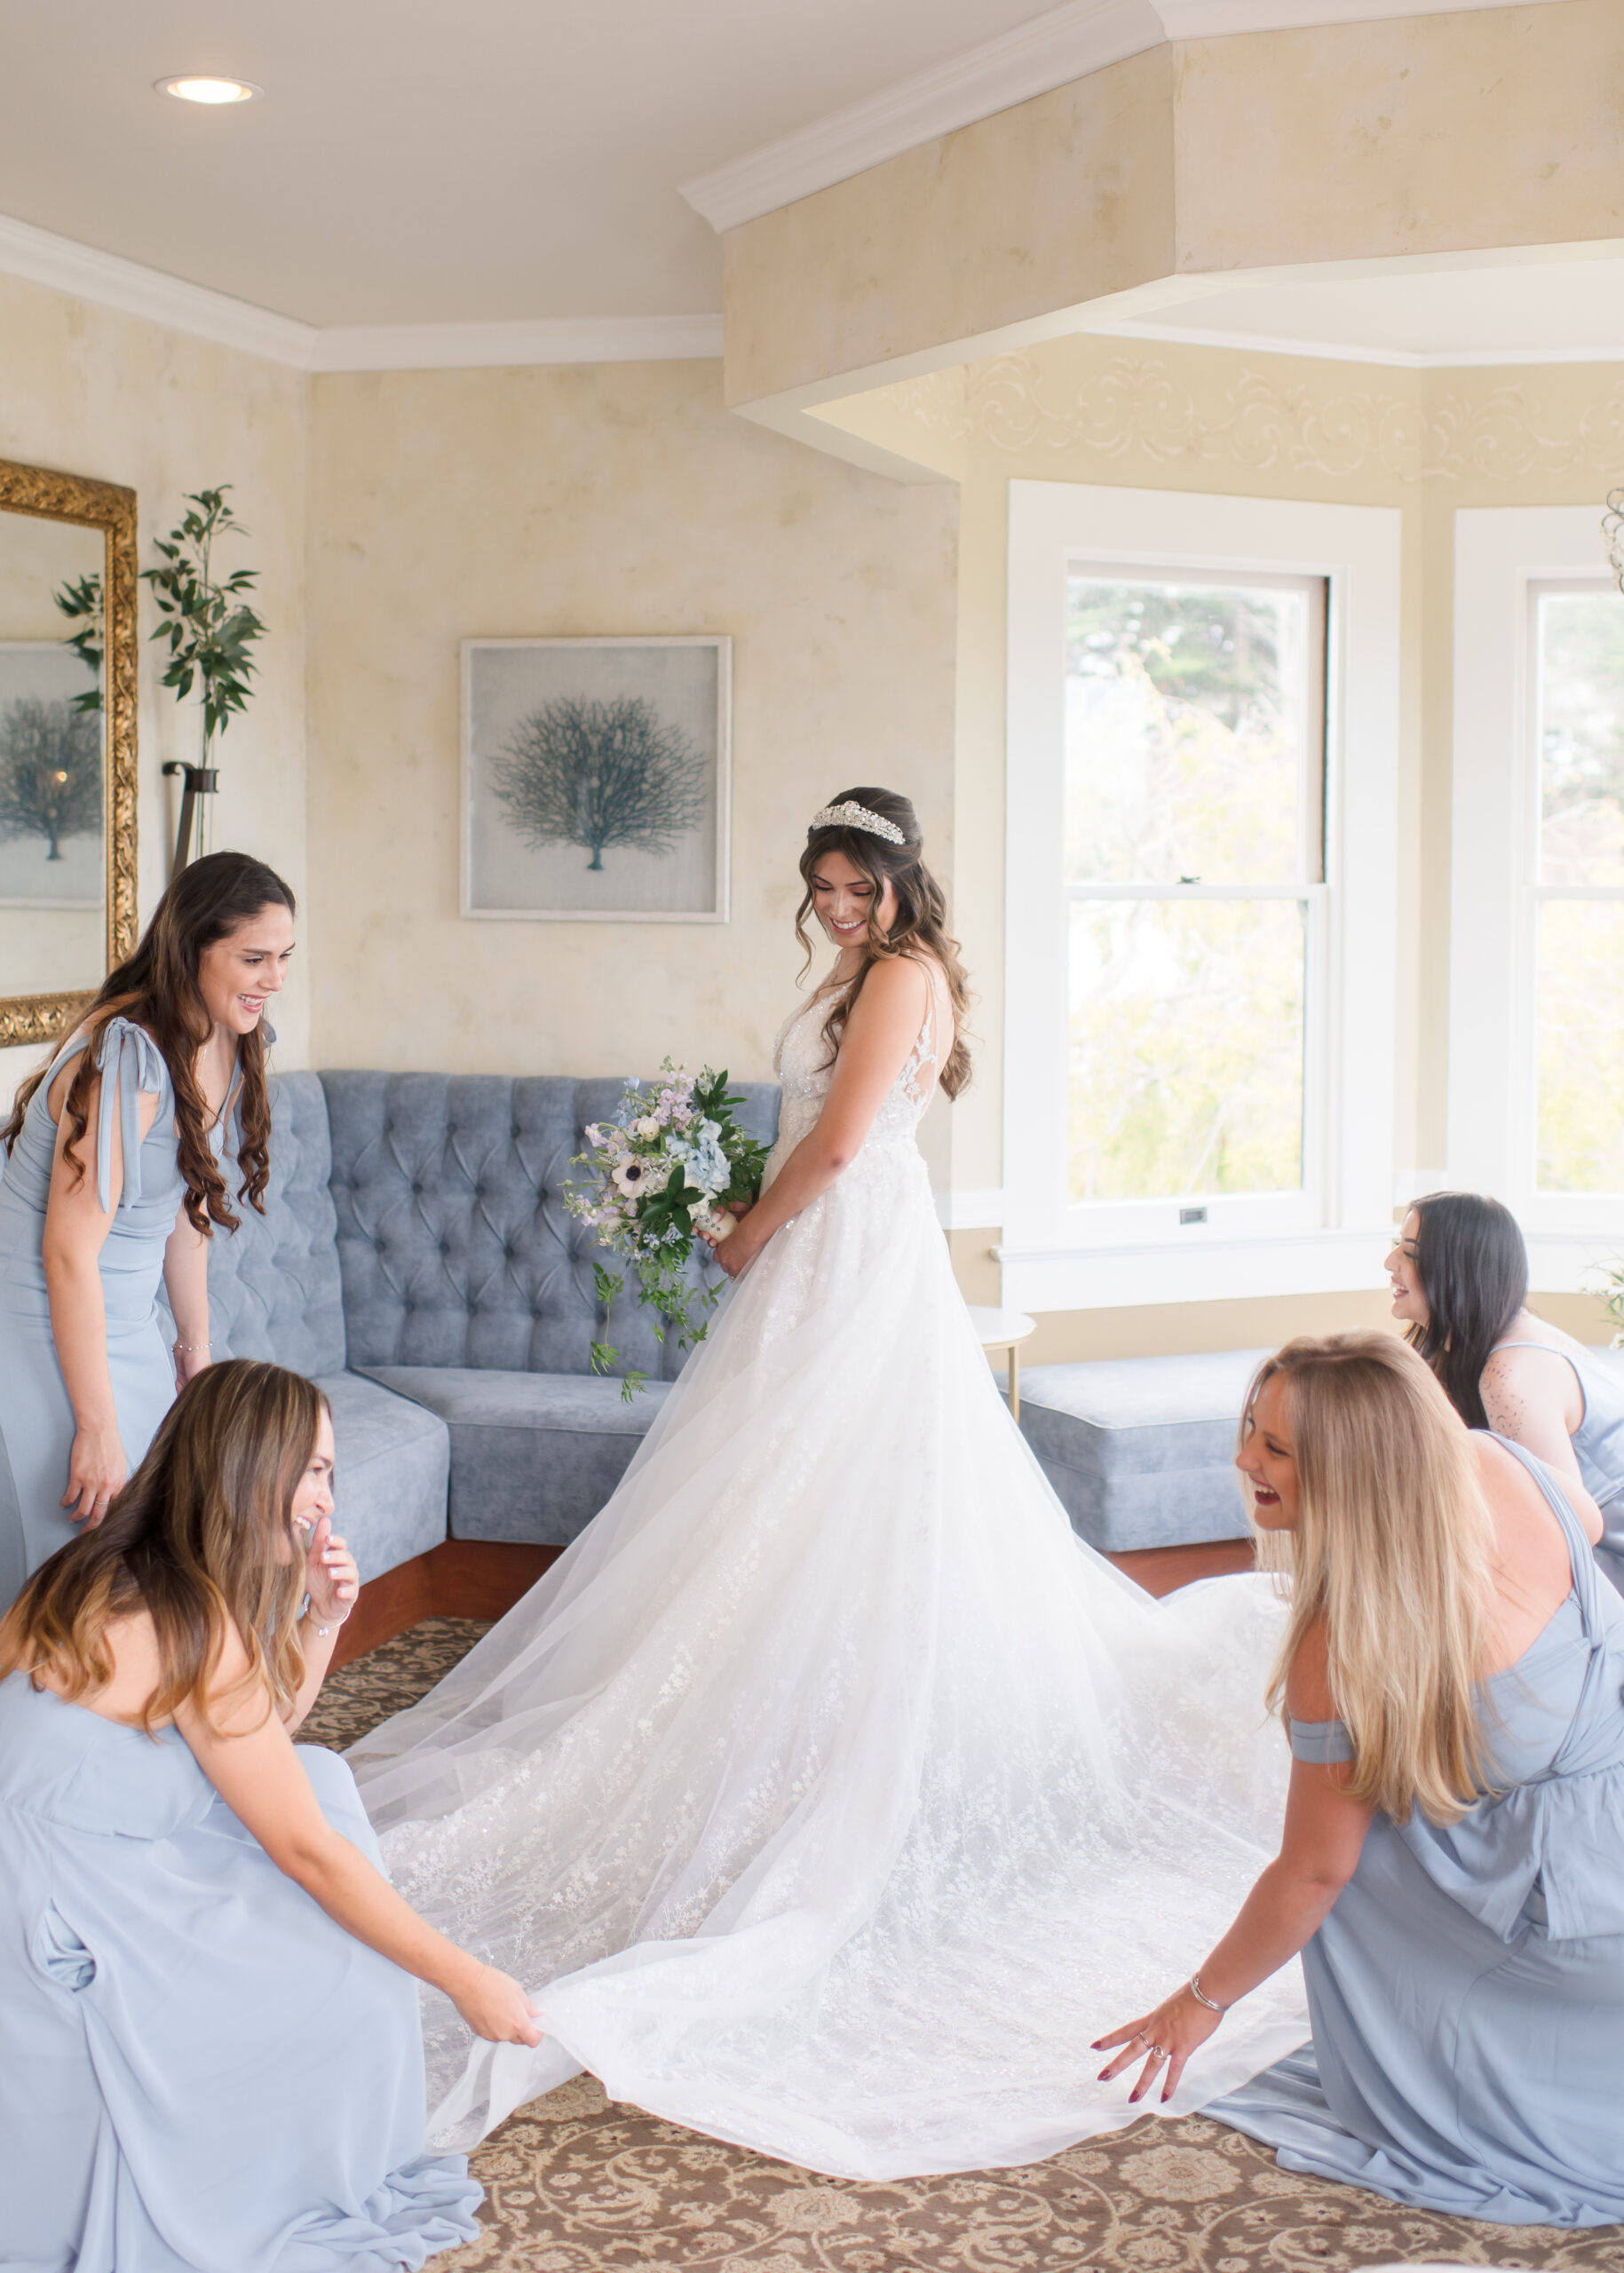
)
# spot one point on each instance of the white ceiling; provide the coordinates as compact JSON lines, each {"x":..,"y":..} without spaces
{"x":431,"y":160}
{"x":509,"y":180}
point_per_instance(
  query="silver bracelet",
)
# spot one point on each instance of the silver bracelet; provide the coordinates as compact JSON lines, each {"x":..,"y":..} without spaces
{"x":187,"y":1349}
{"x":1200,"y":1996}
{"x":325,"y":1630}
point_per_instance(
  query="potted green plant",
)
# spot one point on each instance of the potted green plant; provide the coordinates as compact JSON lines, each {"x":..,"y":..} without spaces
{"x":209,"y":628}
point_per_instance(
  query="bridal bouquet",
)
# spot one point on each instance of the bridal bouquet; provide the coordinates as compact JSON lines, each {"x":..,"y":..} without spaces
{"x":665,"y":1167}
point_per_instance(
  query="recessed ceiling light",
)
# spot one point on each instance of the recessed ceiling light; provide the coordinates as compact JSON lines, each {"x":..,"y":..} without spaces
{"x":209,"y":90}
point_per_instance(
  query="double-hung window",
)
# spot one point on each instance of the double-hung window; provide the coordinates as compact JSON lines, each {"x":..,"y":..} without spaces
{"x":1196,"y":871}
{"x":1199,"y":894}
{"x":1536,"y":1059}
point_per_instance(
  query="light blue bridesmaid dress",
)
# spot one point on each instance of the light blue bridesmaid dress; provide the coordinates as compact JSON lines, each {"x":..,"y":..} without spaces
{"x":36,"y":1420}
{"x":200,"y":2071}
{"x":1467,"y":1990}
{"x":1598,"y":1443}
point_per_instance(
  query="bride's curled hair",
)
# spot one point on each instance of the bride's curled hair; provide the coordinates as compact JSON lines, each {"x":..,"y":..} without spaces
{"x":921,"y":927}
{"x":1392,"y":1551}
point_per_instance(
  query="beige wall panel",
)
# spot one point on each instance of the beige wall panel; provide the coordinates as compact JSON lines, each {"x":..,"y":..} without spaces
{"x":615,"y":498}
{"x":91,"y":391}
{"x":1425,"y":134}
{"x":1061,"y":200}
{"x":1263,"y":1322}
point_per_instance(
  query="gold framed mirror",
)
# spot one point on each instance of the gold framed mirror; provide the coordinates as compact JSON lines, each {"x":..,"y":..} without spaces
{"x":67,"y":755}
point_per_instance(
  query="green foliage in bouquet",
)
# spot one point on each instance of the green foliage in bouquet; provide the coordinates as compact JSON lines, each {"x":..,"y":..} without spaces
{"x":671,"y":1162}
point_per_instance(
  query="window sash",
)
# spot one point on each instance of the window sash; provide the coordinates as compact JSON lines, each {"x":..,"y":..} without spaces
{"x":1060,"y":1254}
{"x":1312,"y":719}
{"x":1504,"y":557}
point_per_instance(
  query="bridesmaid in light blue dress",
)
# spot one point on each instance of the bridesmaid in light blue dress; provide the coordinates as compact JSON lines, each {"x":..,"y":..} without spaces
{"x":111,"y":1180}
{"x":211,"y":2058}
{"x":1459,"y":1270}
{"x":1465,"y":1967}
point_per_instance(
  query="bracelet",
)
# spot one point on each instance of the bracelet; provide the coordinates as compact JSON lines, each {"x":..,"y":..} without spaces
{"x":325,"y":1630}
{"x":187,"y":1349}
{"x":1202,"y":1998}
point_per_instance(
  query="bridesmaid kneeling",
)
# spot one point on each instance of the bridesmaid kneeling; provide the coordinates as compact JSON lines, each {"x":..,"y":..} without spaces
{"x":213,"y":2057}
{"x":1453,"y":1862}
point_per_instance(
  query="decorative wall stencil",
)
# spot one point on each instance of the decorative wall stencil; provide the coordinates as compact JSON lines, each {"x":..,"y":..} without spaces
{"x":595,"y":778}
{"x":1136,"y":403}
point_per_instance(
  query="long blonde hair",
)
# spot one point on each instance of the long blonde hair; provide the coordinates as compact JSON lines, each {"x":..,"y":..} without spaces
{"x":199,"y":1537}
{"x":1393,"y":1552}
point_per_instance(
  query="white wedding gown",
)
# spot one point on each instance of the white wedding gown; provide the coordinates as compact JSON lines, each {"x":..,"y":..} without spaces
{"x":828,"y":1795}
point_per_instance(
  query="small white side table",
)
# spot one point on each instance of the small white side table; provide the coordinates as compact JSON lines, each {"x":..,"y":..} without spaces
{"x":1003,"y":1330}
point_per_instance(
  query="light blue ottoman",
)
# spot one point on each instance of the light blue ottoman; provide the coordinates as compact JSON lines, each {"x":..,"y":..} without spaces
{"x":1141,"y":1451}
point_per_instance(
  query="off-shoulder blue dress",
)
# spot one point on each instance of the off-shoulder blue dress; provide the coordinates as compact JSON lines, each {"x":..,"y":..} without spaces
{"x":36,"y":1420}
{"x":1467,"y":1990}
{"x":200,"y":2071}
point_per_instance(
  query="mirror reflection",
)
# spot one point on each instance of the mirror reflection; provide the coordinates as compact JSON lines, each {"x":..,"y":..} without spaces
{"x":54,"y":862}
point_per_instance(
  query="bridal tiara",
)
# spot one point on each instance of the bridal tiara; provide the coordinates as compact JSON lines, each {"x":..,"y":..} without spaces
{"x":852,"y":815}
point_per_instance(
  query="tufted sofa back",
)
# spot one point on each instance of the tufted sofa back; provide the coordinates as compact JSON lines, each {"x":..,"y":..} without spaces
{"x":452,"y":1239}
{"x":274,"y":1290}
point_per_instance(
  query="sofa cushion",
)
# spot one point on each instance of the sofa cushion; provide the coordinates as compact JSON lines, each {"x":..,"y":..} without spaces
{"x":274,"y":1290}
{"x":1141,"y":1451}
{"x":534,"y":1456}
{"x":391,"y":1461}
{"x":454,"y":1244}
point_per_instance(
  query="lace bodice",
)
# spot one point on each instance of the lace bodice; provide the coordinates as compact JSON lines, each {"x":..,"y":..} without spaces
{"x":801,"y":1060}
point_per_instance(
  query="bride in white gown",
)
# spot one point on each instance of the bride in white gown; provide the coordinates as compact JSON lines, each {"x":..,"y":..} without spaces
{"x":828,"y":1795}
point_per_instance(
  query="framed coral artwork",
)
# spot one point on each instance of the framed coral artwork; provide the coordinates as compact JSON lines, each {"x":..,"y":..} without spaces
{"x":596,"y":779}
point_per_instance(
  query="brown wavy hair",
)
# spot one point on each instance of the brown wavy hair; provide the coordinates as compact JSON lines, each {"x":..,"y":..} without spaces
{"x":196,"y":1540}
{"x":921,"y":927}
{"x":157,"y":988}
{"x":1393,"y":1551}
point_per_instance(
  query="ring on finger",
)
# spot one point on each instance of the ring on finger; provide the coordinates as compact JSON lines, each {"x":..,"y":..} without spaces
{"x":1155,"y":2052}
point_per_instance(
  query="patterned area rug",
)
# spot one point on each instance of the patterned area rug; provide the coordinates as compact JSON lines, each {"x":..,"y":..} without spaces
{"x":577,"y":2184}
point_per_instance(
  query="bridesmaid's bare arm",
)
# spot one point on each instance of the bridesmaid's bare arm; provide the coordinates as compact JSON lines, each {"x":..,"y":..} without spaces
{"x":76,"y":1228}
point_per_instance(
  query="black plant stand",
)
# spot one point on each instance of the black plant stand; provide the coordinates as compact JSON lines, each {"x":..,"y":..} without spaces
{"x":200,"y":782}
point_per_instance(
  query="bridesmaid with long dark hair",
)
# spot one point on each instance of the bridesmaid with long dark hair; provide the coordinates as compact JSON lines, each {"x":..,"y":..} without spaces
{"x":1460,"y":1279}
{"x":112,"y":1179}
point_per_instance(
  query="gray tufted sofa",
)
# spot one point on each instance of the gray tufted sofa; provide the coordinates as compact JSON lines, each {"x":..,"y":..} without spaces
{"x":415,"y":1260}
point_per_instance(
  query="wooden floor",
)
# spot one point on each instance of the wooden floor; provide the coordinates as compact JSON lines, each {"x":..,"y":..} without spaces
{"x":1159,"y":1569}
{"x":483,"y":1577}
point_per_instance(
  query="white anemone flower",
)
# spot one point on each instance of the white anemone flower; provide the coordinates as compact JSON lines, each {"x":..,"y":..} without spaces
{"x":648,"y":1127}
{"x":634,"y":1176}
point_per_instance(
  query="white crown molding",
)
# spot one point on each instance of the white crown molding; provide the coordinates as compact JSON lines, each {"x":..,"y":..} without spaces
{"x":1049,"y":52}
{"x":39,"y":257}
{"x":558,"y":339}
{"x":1052,"y":50}
{"x":1222,"y":19}
{"x":61,"y":264}
{"x":1341,"y":351}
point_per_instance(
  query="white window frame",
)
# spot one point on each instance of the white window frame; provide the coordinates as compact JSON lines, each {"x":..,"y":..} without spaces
{"x":1057,"y":1254}
{"x":1501,"y":554}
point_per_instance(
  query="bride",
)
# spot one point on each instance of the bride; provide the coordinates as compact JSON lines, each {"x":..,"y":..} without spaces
{"x":828,"y":1795}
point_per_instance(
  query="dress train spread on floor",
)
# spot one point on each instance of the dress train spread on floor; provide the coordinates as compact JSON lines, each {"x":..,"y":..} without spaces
{"x":828,"y":1795}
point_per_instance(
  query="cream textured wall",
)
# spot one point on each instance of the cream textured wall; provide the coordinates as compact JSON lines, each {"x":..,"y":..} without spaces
{"x":1411,"y":137}
{"x":90,"y":391}
{"x":1218,"y":420}
{"x":594,"y":499}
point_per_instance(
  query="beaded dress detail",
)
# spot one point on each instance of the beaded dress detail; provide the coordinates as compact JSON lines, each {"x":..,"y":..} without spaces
{"x":828,"y":1795}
